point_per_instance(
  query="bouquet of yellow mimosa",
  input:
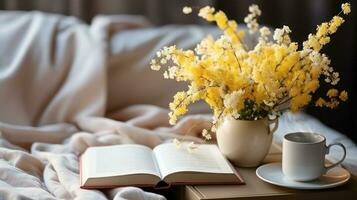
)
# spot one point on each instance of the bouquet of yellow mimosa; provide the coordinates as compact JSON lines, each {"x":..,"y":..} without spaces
{"x":251,"y":83}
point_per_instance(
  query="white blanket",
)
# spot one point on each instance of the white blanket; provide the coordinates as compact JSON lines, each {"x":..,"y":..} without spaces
{"x":59,"y":79}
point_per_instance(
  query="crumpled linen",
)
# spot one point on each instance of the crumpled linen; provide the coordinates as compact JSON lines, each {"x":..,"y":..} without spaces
{"x":50,"y":171}
{"x":66,"y":86}
{"x":58,"y":79}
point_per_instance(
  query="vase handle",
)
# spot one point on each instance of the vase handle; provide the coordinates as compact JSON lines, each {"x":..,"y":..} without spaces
{"x":275,"y":122}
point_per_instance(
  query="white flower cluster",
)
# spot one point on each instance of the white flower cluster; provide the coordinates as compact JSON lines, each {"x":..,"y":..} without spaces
{"x":187,"y":10}
{"x":281,"y":36}
{"x":251,"y":18}
{"x":176,"y":142}
{"x":264,"y":34}
{"x":231,"y":99}
{"x":154,"y":65}
{"x":321,"y":60}
{"x":335,"y":78}
{"x":201,"y":48}
{"x":171,"y":72}
{"x":224,"y":42}
{"x":206,"y":11}
{"x":164,"y":55}
{"x":305,"y":52}
{"x":190,"y":147}
{"x":206,"y":134}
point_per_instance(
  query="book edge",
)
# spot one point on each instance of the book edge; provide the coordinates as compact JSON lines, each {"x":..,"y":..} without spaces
{"x":236,"y":173}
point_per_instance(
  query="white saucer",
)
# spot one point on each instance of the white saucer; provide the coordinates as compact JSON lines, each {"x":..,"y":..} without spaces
{"x":272,"y":173}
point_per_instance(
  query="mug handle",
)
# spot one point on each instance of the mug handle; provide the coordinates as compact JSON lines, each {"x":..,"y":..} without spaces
{"x":273,"y":121}
{"x":340,"y":161}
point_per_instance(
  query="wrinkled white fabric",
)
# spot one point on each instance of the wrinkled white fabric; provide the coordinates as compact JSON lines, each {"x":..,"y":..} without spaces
{"x":60,"y":77}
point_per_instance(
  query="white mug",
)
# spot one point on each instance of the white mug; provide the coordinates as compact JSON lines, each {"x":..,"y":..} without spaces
{"x":304,"y":156}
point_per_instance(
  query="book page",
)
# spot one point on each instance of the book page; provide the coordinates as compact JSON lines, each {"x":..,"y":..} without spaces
{"x":205,"y":158}
{"x":119,"y":160}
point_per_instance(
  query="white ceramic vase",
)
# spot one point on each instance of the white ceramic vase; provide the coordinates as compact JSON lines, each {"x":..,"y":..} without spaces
{"x":246,"y":143}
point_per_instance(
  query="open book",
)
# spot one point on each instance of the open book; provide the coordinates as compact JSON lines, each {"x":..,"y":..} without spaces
{"x":165,"y":165}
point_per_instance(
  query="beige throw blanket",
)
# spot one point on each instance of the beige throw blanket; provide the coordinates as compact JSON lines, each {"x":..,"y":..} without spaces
{"x":59,"y":78}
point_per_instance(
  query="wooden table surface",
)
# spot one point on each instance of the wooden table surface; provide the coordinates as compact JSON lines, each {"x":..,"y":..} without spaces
{"x":258,"y":190}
